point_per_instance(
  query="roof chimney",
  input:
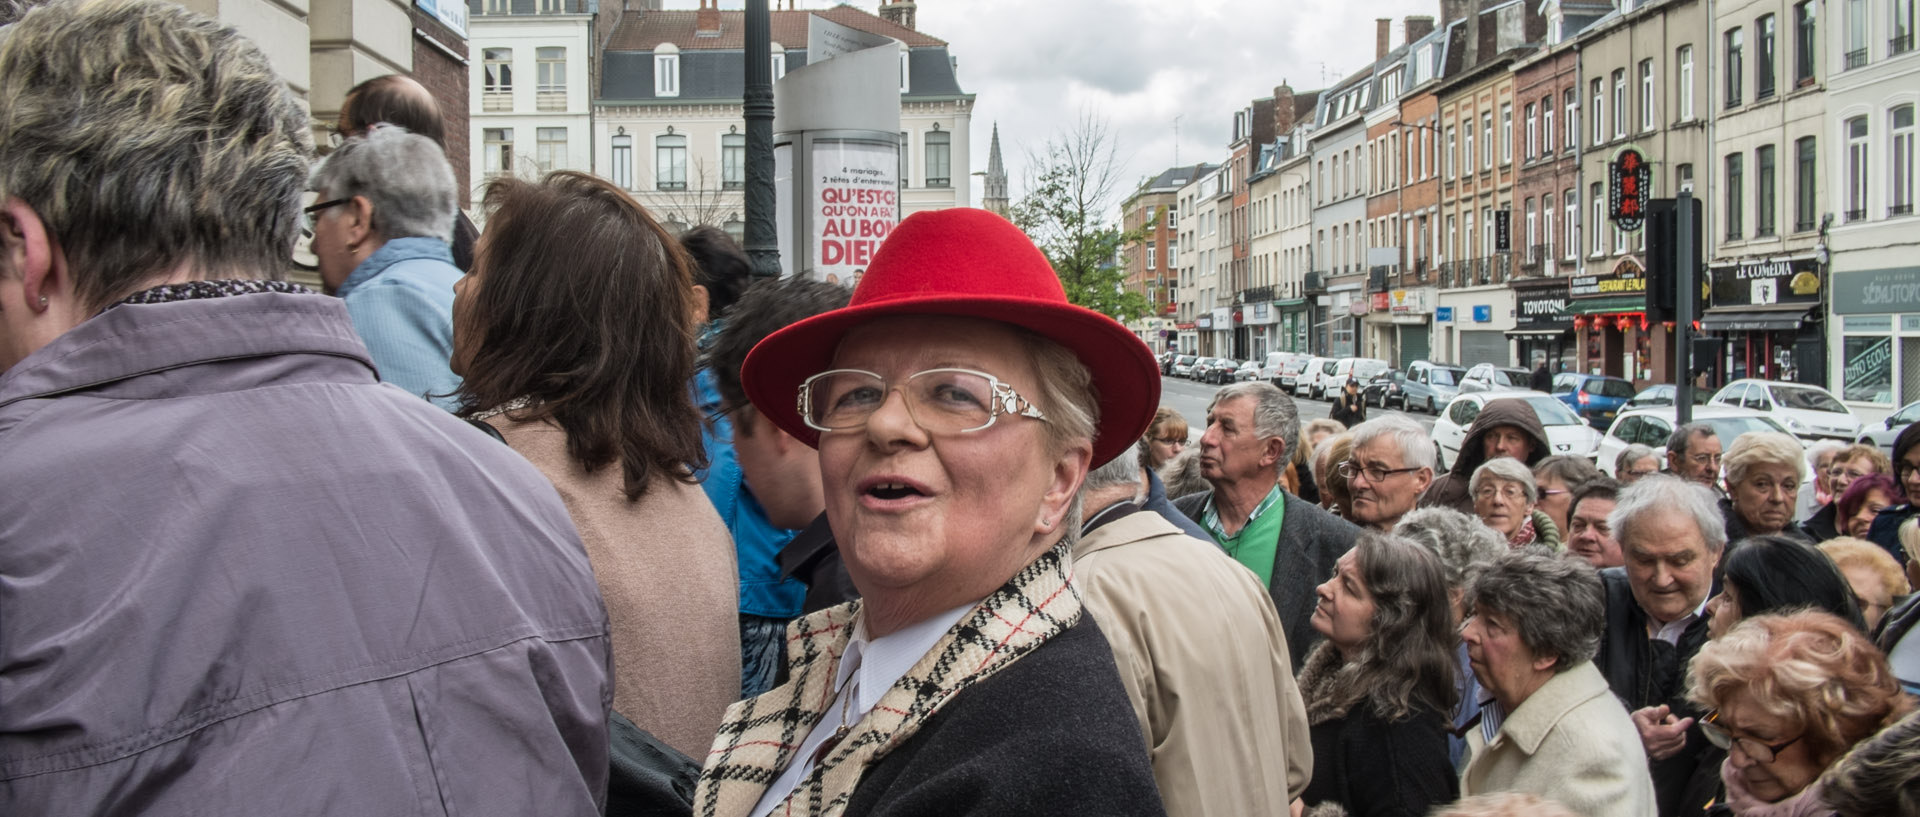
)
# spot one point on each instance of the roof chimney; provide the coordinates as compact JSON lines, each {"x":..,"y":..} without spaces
{"x":1282,"y":109}
{"x":1418,"y":27}
{"x":1382,"y":37}
{"x":1451,"y":10}
{"x":706,"y":22}
{"x":898,"y":12}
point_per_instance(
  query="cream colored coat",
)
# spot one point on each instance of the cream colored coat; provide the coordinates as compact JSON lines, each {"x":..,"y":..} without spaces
{"x":1572,"y":742}
{"x":1204,"y":660}
{"x":665,"y":567}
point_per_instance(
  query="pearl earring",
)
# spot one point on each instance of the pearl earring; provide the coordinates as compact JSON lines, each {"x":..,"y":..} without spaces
{"x":43,"y":302}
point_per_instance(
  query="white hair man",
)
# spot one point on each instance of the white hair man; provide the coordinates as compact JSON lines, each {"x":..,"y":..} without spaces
{"x":380,"y":231}
{"x":1201,"y":653}
{"x":1390,"y":465}
{"x":1287,"y":542}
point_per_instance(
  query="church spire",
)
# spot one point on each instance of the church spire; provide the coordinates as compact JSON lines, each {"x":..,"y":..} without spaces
{"x":996,"y":181}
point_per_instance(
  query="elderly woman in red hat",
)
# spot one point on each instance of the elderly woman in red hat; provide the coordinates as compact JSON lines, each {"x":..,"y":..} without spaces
{"x":957,"y":403}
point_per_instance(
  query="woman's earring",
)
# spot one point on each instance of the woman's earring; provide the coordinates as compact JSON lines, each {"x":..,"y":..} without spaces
{"x":43,"y":302}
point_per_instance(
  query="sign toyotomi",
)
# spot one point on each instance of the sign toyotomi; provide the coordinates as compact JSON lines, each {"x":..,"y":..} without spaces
{"x":1541,"y":309}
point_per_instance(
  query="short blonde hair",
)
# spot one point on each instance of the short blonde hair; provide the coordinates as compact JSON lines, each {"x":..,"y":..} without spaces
{"x":1505,"y":804}
{"x":1168,"y":420}
{"x":1872,"y":454}
{"x":1756,"y":448}
{"x":1847,"y":551}
{"x":1810,"y":669}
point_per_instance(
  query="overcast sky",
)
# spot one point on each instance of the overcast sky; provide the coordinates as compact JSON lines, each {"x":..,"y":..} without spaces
{"x":1034,"y":64}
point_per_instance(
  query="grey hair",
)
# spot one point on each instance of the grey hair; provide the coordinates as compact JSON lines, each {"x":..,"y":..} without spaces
{"x":1683,"y":437}
{"x":1574,"y":472}
{"x":147,"y":137}
{"x":1121,"y":470}
{"x":1823,"y":448}
{"x":1506,"y":468}
{"x":1414,"y":442}
{"x":1630,"y":455}
{"x":1464,"y":544}
{"x":1764,"y":448}
{"x":404,"y":175}
{"x":1556,"y":604}
{"x":1182,"y":474}
{"x":1071,"y":402}
{"x":1274,"y":414}
{"x":1665,"y":493}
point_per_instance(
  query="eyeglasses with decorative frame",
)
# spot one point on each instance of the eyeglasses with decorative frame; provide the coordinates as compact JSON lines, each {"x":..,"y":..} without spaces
{"x":943,"y":400}
{"x":1761,"y":752}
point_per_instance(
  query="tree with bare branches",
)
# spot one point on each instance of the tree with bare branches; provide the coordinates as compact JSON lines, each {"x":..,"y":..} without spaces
{"x":1071,"y":182}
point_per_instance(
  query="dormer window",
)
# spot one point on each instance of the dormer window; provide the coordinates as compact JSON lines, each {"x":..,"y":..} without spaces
{"x":906,"y":76}
{"x":666,"y":73}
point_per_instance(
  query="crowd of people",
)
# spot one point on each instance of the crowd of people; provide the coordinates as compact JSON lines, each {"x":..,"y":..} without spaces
{"x":569,"y":515}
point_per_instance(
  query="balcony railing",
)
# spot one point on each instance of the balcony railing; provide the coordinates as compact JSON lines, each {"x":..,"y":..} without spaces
{"x":1856,"y":58}
{"x":1856,"y":215}
{"x":1901,"y":209}
{"x":1535,"y":255}
{"x":550,"y":98}
{"x":496,"y":101}
{"x":1421,"y":267}
{"x":1901,"y":44}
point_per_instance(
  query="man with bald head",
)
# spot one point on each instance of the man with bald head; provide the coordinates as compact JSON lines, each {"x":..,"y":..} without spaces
{"x":396,"y":99}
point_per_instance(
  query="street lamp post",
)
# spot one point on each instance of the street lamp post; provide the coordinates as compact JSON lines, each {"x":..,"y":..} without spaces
{"x":762,"y":239}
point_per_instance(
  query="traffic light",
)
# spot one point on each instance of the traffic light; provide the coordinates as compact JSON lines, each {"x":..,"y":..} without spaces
{"x":1663,"y":277}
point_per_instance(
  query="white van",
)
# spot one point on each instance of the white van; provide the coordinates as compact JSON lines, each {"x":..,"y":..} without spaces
{"x":1310,"y":381}
{"x":1357,"y":369}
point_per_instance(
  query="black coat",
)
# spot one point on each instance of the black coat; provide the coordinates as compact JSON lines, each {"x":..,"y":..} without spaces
{"x":1377,"y":768}
{"x":1645,"y":672}
{"x":1349,"y":409}
{"x":1821,"y":525}
{"x":1311,"y":541}
{"x":1006,"y":745}
{"x":813,"y":557}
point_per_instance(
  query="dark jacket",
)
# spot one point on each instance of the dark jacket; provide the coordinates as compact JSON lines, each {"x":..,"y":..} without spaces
{"x":1737,"y":527}
{"x":1009,"y":730}
{"x":1885,"y":530}
{"x":1450,"y":490}
{"x":1379,"y":768}
{"x":1542,"y":380}
{"x":1646,"y":672}
{"x":1897,"y":623}
{"x":813,"y":557}
{"x":1158,"y":503}
{"x":1349,"y":408}
{"x":1311,"y":541}
{"x":1820,"y":526}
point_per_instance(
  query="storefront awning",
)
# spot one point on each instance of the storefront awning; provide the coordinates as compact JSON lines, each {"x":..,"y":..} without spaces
{"x":1539,"y":333}
{"x":1752,"y":320}
{"x":1610,"y":305}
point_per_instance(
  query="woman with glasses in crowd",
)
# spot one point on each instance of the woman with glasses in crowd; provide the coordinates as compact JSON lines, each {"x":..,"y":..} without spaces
{"x":1786,"y":696}
{"x":1164,"y":440}
{"x":546,"y":327}
{"x":1504,"y":497}
{"x":1635,"y":461}
{"x":1379,"y":689}
{"x":1844,"y":465}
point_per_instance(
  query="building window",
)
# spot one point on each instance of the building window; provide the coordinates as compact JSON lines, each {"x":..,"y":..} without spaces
{"x":1647,"y":106}
{"x":733,"y":161}
{"x":1856,"y":168}
{"x":622,"y":166}
{"x":1764,"y":73}
{"x":1803,"y":42}
{"x":496,"y":7}
{"x":1573,"y":118}
{"x":1683,"y":177}
{"x":779,"y":66}
{"x":939,"y":158}
{"x":499,"y":150}
{"x":1735,"y":39}
{"x":1902,"y":25}
{"x":1570,"y":220}
{"x":1619,"y":103}
{"x":1736,"y":179}
{"x":1486,"y":141}
{"x":1546,"y":225}
{"x":497,"y":87}
{"x":906,"y":74}
{"x":550,"y":76}
{"x":670,"y":162}
{"x":1856,"y":33}
{"x":1153,"y":258}
{"x":550,"y":149}
{"x":906,"y":146}
{"x":1506,"y":134}
{"x":1805,"y":194}
{"x":551,"y":7}
{"x":1533,"y":133}
{"x":1598,"y":112}
{"x":1683,"y":61}
{"x":1546,"y":124}
{"x":1901,"y":190}
{"x":1598,"y":218}
{"x":1469,"y":237}
{"x":1533,"y":225}
{"x":1766,"y":198}
{"x":666,"y":75}
{"x":1173,"y":250}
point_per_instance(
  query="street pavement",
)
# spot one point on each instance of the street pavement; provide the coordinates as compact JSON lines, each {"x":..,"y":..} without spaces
{"x":1190,"y":398}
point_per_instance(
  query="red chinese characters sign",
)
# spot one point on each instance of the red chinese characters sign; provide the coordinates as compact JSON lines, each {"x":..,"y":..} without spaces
{"x":1630,"y":179}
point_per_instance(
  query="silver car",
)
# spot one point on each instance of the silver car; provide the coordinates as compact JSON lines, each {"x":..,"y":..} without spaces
{"x":1890,"y":428}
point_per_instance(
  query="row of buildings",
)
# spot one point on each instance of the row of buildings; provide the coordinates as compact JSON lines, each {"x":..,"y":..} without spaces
{"x":1448,"y":201}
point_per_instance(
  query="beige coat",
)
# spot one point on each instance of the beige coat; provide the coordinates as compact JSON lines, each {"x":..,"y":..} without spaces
{"x":1204,"y":660}
{"x":1571,"y":741}
{"x":665,"y":567}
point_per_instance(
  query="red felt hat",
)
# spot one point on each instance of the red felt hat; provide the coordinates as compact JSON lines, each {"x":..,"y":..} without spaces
{"x":966,"y":263}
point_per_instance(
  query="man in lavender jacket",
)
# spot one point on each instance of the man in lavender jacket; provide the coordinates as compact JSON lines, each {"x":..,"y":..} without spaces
{"x":239,"y":575}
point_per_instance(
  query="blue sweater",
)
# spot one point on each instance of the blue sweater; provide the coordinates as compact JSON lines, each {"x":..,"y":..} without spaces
{"x":756,"y":542}
{"x":401,"y":303}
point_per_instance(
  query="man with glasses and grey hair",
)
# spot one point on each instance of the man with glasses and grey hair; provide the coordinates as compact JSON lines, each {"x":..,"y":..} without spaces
{"x":241,"y":575}
{"x":1693,"y":454}
{"x":1289,"y":543}
{"x":1390,"y":466}
{"x":380,"y":231}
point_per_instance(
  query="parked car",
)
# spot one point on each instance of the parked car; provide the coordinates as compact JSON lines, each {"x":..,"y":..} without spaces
{"x":1201,"y":367}
{"x":1663,"y":394}
{"x":1208,"y":369}
{"x":1276,"y":361}
{"x":1597,"y":398}
{"x":1250,"y":370}
{"x":1653,"y":426}
{"x":1566,"y":432}
{"x":1359,"y":370}
{"x":1311,"y":378}
{"x":1381,"y":386}
{"x":1222,"y":370}
{"x":1291,"y":372}
{"x":1183,"y":365}
{"x":1890,"y":428}
{"x":1809,"y":412}
{"x":1488,"y":377}
{"x":1429,"y":386}
{"x":1166,"y":362}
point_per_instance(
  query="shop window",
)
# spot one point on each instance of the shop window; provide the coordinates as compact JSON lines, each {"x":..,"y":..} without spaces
{"x":1867,"y":376}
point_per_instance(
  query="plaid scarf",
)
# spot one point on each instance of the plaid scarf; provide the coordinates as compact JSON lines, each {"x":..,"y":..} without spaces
{"x":761,"y":735}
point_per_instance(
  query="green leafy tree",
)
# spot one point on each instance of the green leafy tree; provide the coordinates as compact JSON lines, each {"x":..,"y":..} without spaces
{"x":1070,"y":187}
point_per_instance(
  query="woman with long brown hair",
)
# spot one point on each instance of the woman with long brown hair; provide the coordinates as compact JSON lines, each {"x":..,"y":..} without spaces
{"x":573,"y":334}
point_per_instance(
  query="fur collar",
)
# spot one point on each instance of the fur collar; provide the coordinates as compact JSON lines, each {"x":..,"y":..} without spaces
{"x":1327,"y":685}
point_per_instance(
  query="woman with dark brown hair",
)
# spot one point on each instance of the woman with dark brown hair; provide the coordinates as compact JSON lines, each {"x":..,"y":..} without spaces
{"x":574,"y":338}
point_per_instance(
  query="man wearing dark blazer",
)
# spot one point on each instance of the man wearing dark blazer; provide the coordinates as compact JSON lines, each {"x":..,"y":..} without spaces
{"x":1289,"y":543}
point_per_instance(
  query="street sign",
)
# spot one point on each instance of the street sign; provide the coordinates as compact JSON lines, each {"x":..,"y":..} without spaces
{"x":1629,"y":180}
{"x":1503,"y":231}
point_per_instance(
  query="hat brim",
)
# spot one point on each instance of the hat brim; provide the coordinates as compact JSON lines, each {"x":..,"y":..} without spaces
{"x":1126,"y":377}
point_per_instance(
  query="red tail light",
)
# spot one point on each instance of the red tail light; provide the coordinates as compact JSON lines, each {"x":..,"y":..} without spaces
{"x":1583,"y":398}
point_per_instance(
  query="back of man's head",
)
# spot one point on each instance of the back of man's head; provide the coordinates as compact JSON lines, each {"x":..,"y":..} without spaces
{"x":406,"y":177}
{"x":719,"y":265}
{"x":765,"y":308}
{"x":394,"y":99}
{"x":148,"y":138}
